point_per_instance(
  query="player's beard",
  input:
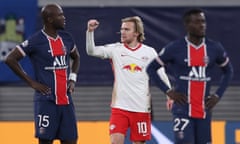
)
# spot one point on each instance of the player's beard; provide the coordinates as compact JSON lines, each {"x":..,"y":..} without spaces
{"x":198,"y":35}
{"x":59,"y":26}
{"x":201,"y":33}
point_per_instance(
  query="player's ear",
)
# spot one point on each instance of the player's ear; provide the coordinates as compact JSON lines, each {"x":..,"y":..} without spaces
{"x":50,"y":19}
{"x":136,"y":34}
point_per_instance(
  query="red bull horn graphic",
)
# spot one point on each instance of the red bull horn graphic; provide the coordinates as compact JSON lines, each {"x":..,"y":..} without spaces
{"x":132,"y":68}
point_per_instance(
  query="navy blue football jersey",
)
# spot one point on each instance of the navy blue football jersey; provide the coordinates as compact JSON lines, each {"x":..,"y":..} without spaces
{"x":50,"y":60}
{"x":192,"y":68}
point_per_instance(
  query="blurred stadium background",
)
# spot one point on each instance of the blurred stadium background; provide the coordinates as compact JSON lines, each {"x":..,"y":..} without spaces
{"x":162,"y":19}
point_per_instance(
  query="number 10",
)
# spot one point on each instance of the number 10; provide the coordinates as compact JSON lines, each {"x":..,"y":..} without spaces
{"x":142,"y":127}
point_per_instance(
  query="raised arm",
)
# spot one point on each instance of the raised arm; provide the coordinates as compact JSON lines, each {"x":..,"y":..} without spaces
{"x":90,"y":44}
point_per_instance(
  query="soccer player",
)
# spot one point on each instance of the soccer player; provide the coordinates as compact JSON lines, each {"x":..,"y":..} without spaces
{"x":130,"y":106}
{"x":50,"y":51}
{"x":192,"y":59}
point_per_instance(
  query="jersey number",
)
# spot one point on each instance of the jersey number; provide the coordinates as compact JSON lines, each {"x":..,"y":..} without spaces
{"x":142,"y":127}
{"x":43,"y":120}
{"x":180,"y":124}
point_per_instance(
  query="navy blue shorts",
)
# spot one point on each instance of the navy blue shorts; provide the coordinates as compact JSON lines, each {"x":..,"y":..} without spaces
{"x":191,"y":130}
{"x":55,"y":121}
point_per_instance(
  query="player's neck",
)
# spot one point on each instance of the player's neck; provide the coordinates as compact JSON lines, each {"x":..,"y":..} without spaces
{"x":132,"y":45}
{"x":50,"y":32}
{"x":195,"y":40}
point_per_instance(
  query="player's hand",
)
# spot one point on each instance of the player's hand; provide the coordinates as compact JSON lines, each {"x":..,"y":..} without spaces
{"x":71,"y":86}
{"x":92,"y":25}
{"x":211,"y":101}
{"x":169,"y":104}
{"x":43,"y":89}
{"x":177,"y":97}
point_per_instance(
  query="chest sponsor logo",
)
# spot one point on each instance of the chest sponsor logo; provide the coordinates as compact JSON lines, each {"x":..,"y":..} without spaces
{"x":58,"y":63}
{"x":196,"y":74}
{"x":132,"y":68}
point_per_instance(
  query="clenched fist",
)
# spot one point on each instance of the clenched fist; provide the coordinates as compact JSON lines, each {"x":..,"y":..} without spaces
{"x":92,"y":25}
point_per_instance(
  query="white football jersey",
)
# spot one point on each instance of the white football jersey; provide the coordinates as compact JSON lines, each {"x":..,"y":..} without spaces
{"x":131,"y":82}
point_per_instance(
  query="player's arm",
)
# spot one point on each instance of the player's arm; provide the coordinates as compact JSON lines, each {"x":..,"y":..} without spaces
{"x":75,"y":56}
{"x":90,"y":43}
{"x":153,"y":74}
{"x":12,"y":61}
{"x":227,"y":73}
{"x":162,"y":74}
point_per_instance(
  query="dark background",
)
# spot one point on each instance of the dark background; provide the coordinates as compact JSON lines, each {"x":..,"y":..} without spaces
{"x":162,"y":25}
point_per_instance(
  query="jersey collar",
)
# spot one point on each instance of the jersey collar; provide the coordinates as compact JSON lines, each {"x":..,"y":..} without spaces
{"x":195,"y":46}
{"x":48,"y":36}
{"x":133,"y":49}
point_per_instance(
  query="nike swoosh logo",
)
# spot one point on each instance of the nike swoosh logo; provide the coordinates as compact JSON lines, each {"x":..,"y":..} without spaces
{"x":123,"y":55}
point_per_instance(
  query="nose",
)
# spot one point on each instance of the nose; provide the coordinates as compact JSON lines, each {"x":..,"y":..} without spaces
{"x":63,"y":17}
{"x":203,"y":23}
{"x":122,"y":32}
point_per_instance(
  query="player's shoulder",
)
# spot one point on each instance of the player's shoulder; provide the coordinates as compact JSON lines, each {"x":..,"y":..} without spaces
{"x":116,"y":44}
{"x":213,"y":43}
{"x":176,"y":44}
{"x":36,"y":35}
{"x":64,"y":34}
{"x":148,"y":47}
{"x":35,"y":38}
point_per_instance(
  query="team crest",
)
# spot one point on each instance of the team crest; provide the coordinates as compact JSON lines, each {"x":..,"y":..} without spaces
{"x":145,"y":58}
{"x":64,"y":49}
{"x":206,"y":60}
{"x":181,"y":135}
{"x":41,"y":130}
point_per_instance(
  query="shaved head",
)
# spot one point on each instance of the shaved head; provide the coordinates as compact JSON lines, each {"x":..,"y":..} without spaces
{"x":47,"y":11}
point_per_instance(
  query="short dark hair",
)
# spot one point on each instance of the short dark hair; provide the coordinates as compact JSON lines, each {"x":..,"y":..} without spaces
{"x":187,"y":14}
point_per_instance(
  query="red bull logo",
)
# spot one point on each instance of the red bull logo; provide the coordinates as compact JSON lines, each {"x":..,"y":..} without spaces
{"x":132,"y":68}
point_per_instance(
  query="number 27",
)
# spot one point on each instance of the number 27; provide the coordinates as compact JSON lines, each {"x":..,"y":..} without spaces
{"x":180,"y":124}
